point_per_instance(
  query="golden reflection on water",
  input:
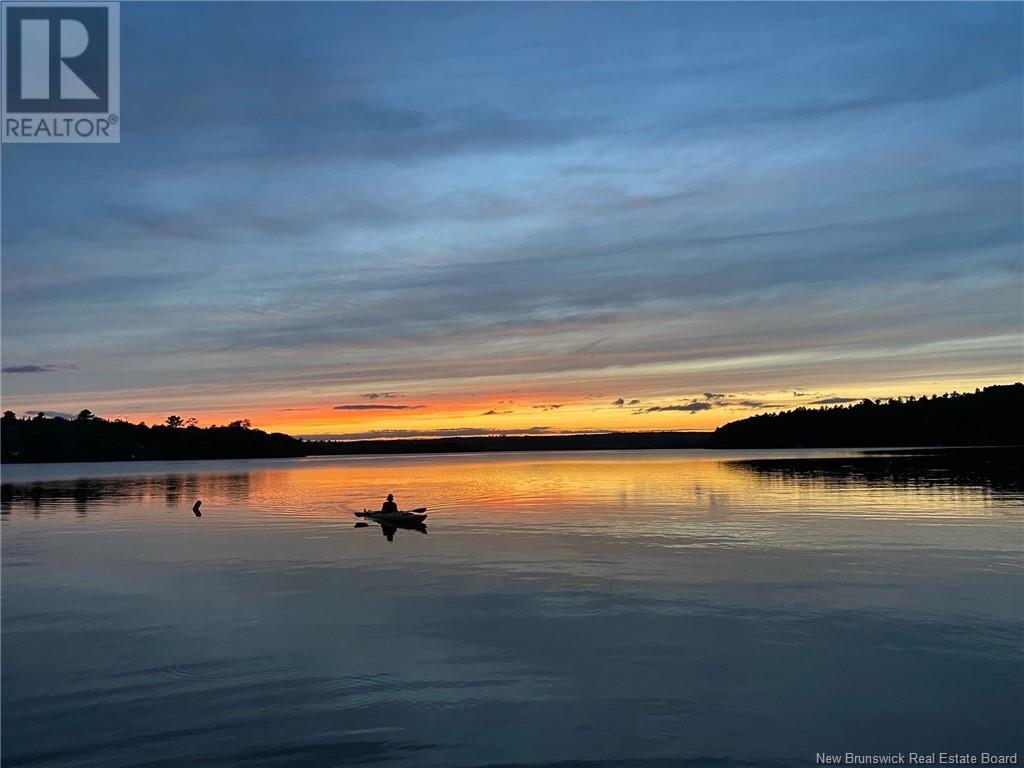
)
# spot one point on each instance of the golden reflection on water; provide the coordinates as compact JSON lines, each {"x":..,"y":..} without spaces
{"x":510,"y":487}
{"x":517,"y":489}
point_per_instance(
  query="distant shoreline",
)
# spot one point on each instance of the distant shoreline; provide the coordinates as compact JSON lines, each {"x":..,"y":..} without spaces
{"x":601,"y":441}
{"x":610,"y":441}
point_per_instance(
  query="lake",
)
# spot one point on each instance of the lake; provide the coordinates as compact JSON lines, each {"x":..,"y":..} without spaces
{"x":677,"y":608}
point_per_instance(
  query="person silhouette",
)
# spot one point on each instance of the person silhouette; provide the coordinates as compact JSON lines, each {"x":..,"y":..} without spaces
{"x":389,"y":506}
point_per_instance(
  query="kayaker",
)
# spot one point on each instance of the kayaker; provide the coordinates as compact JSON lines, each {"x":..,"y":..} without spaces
{"x":389,"y":506}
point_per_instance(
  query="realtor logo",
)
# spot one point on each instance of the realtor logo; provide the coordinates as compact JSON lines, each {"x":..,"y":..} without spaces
{"x":61,"y":72}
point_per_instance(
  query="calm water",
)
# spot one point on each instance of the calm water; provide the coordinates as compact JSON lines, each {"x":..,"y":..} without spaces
{"x":645,"y":609}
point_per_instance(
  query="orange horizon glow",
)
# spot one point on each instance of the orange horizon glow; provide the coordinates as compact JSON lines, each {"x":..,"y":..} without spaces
{"x":396,"y":414}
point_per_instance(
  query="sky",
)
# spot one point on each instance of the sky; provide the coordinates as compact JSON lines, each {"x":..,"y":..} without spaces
{"x":353,"y":220}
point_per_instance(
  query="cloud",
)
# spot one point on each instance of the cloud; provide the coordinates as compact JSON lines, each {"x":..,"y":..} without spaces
{"x":382,"y":395}
{"x":689,"y":407}
{"x":37,"y":368}
{"x":49,"y":414}
{"x":619,"y":403}
{"x":586,"y":348}
{"x":712,"y":401}
{"x":493,"y":412}
{"x":836,"y":400}
{"x":365,"y":407}
{"x":634,"y":402}
{"x":549,"y":407}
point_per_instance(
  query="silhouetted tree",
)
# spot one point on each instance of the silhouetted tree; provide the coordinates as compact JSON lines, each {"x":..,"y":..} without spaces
{"x":174,"y":421}
{"x":95,"y":439}
{"x":85,"y":414}
{"x":988,"y":417}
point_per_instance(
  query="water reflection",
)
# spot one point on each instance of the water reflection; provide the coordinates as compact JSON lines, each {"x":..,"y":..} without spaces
{"x":563,"y":488}
{"x":168,"y":490}
{"x":657,"y":608}
{"x":390,"y":529}
{"x":993,"y":469}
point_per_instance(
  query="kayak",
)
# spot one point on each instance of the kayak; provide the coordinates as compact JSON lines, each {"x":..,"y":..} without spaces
{"x":393,"y":518}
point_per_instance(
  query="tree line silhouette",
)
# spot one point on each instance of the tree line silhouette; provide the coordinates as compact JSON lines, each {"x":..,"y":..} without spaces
{"x":90,"y":438}
{"x":989,"y":416}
